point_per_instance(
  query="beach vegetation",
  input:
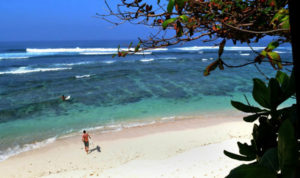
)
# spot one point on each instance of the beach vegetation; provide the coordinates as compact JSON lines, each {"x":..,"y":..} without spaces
{"x":273,"y":150}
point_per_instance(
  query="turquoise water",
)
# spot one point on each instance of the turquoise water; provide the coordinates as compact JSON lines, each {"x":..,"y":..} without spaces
{"x":110,"y":93}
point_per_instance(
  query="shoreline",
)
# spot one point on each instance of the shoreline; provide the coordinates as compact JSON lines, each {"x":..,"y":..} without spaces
{"x":66,"y":155}
{"x":204,"y":118}
{"x":117,"y":127}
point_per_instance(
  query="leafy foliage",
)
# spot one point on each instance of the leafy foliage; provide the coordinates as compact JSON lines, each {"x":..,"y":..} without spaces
{"x":274,"y":143}
{"x":250,"y":171}
{"x":239,"y":21}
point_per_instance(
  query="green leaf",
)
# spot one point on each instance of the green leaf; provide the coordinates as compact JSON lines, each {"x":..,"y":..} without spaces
{"x":274,"y":59}
{"x":180,"y":3}
{"x":251,"y":118}
{"x":263,"y":53}
{"x":287,"y":84}
{"x":167,"y":22}
{"x":170,"y":6}
{"x":270,"y":159}
{"x":275,"y":93}
{"x":285,"y":24}
{"x":287,"y":151}
{"x":282,"y":77}
{"x":247,"y":150}
{"x":130,"y":45}
{"x":289,"y":87}
{"x":281,"y":17}
{"x":272,"y":45}
{"x":137,"y":47}
{"x":261,"y":93}
{"x":245,"y":108}
{"x":184,"y":18}
{"x":237,"y":157}
{"x":251,"y":171}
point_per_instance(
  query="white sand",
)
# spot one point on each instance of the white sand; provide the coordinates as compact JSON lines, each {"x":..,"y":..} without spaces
{"x":185,"y":148}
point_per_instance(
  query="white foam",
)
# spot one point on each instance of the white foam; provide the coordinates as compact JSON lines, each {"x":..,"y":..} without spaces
{"x":21,"y":57}
{"x":109,"y":62}
{"x":94,"y":128}
{"x":112,"y":128}
{"x":76,"y":63}
{"x":147,"y":60}
{"x":97,"y":53}
{"x":196,"y":48}
{"x":243,"y":48}
{"x":107,"y":53}
{"x":86,"y":51}
{"x":69,"y":50}
{"x":231,"y":48}
{"x":144,"y":53}
{"x":158,"y":49}
{"x":27,"y":147}
{"x":119,"y":127}
{"x":138,"y":124}
{"x":280,"y":52}
{"x":168,"y":118}
{"x":168,"y":58}
{"x":24,"y":70}
{"x":82,"y":76}
{"x":204,"y":59}
{"x":245,"y":54}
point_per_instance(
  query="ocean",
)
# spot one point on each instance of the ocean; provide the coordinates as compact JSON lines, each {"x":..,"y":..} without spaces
{"x":110,"y":94}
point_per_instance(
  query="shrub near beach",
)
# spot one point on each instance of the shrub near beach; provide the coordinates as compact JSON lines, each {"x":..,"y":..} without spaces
{"x":273,"y":150}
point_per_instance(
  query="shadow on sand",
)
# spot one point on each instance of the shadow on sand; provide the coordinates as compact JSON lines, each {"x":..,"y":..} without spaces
{"x":94,"y":149}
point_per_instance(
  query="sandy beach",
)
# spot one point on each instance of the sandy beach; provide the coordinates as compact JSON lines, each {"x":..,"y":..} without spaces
{"x":183,"y":148}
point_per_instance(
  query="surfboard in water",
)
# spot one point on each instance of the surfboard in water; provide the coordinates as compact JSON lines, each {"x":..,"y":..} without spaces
{"x":68,"y":97}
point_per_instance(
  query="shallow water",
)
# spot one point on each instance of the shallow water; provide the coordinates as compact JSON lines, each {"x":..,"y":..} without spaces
{"x":107,"y":92}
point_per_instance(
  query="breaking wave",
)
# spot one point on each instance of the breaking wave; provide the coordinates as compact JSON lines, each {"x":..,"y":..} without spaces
{"x":24,"y":70}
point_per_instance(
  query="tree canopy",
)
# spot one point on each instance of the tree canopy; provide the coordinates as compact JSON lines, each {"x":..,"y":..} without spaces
{"x":176,"y":21}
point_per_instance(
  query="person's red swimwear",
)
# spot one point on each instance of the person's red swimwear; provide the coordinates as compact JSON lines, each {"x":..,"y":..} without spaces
{"x":85,"y":139}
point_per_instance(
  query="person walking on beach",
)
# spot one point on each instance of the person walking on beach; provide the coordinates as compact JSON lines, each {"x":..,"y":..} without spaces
{"x":85,"y":139}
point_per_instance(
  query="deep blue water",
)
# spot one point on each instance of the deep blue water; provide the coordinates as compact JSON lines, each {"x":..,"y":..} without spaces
{"x":111,"y":93}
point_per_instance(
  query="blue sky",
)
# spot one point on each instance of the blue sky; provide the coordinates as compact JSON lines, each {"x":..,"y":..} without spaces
{"x":43,"y":20}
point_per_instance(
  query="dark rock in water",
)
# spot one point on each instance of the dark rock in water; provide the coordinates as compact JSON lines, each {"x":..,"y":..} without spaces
{"x":29,"y":110}
{"x":132,"y":99}
{"x":143,"y":94}
{"x":175,"y":94}
{"x":244,"y":90}
{"x":215,"y":93}
{"x":154,"y":90}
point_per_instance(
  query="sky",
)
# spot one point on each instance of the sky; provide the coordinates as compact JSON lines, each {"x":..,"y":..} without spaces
{"x":61,"y":20}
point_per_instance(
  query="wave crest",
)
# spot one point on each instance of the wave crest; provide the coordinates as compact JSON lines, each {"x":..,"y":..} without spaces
{"x":27,"y":147}
{"x":24,"y":70}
